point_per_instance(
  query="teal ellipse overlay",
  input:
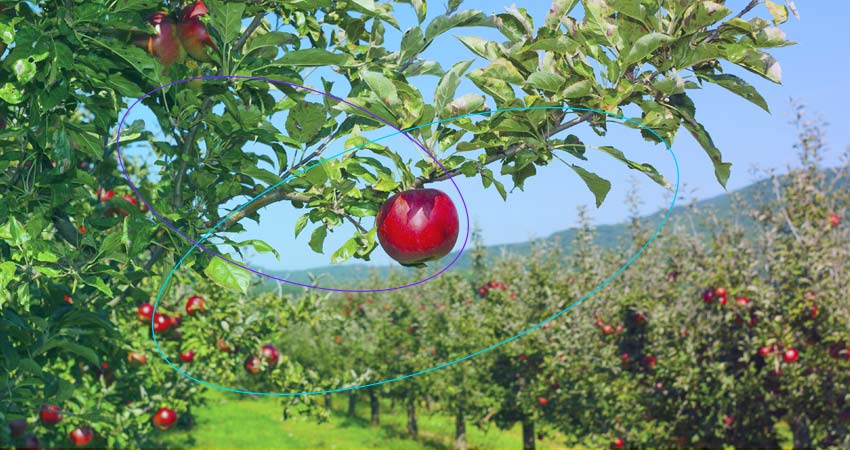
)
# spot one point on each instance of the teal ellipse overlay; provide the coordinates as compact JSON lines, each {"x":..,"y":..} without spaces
{"x":457,"y":360}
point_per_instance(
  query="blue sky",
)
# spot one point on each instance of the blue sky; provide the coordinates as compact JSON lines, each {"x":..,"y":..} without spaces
{"x":813,"y":72}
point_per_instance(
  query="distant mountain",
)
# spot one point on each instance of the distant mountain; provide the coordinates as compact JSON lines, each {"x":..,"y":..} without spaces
{"x":606,"y":236}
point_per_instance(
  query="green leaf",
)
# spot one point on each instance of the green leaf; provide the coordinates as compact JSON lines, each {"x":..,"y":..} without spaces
{"x":582,"y":88}
{"x":305,"y":121}
{"x":314,"y":57}
{"x":447,"y":87}
{"x":382,"y":87}
{"x":598,"y":185}
{"x":259,"y":246}
{"x":98,"y":284}
{"x":683,"y":105}
{"x":757,"y":62}
{"x":412,"y":43}
{"x":467,"y":104}
{"x":481,"y":47}
{"x":644,"y":47}
{"x":226,"y":18}
{"x":345,"y":252}
{"x":271,"y":39}
{"x":228,"y":276}
{"x":317,"y":239}
{"x":737,"y":86}
{"x":546,"y":80}
{"x":11,"y":94}
{"x":300,"y":224}
{"x":647,"y":169}
{"x":779,"y":12}
{"x":24,"y":70}
{"x":468,"y":18}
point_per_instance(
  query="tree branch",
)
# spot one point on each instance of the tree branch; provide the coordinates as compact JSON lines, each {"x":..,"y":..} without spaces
{"x":421,"y":181}
{"x":272,"y":197}
{"x":714,"y":34}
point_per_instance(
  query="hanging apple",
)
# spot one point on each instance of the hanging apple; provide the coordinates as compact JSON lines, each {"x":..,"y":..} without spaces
{"x":417,"y":226}
{"x":81,"y":437}
{"x":165,"y":418}
{"x":164,"y":44}
{"x":193,"y":33}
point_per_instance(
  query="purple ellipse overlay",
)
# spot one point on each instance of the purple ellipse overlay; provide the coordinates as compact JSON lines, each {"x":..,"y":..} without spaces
{"x":308,"y":167}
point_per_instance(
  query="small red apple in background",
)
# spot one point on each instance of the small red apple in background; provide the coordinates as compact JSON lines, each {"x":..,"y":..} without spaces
{"x":625,"y":357}
{"x":708,"y":295}
{"x":105,"y":195}
{"x":165,"y":418}
{"x":764,"y":351}
{"x":130,"y":199}
{"x":814,"y":309}
{"x":742,"y":301}
{"x":81,"y":437}
{"x":417,"y":226}
{"x":145,"y":312}
{"x":17,"y":427}
{"x":161,"y":322}
{"x":618,"y":443}
{"x":721,"y":292}
{"x":338,"y":339}
{"x":728,"y":420}
{"x":542,"y":401}
{"x":50,"y":414}
{"x":270,"y":354}
{"x":82,"y":229}
{"x":193,"y":33}
{"x":619,"y":329}
{"x":607,"y":329}
{"x":790,"y":355}
{"x":523,"y":358}
{"x":252,"y":364}
{"x":834,"y":219}
{"x":187,"y":356}
{"x":640,"y":318}
{"x":164,"y":44}
{"x":723,"y":300}
{"x":137,"y":358}
{"x":650,"y":361}
{"x":223,"y":345}
{"x":67,"y":299}
{"x":195,"y":303}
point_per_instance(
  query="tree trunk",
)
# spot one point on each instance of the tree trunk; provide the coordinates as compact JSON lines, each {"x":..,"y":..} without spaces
{"x":412,"y":427}
{"x":374,"y":406}
{"x":460,"y":430}
{"x":328,"y":404}
{"x":352,"y":403}
{"x":527,"y":434}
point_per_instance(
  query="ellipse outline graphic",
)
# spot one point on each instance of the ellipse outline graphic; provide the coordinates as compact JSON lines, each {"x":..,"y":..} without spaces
{"x":290,"y":176}
{"x":471,"y":355}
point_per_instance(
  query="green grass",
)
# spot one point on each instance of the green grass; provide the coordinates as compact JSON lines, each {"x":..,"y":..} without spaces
{"x":233,"y":421}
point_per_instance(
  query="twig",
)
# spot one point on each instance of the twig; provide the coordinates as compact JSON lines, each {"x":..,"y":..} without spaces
{"x":356,"y":224}
{"x":785,"y":211}
{"x":421,"y":181}
{"x":714,"y":34}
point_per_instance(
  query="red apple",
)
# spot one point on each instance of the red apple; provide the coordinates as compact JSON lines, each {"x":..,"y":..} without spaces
{"x":105,"y":195}
{"x":607,"y":329}
{"x":187,"y":356}
{"x":723,"y":300}
{"x":193,"y":33}
{"x":252,"y":364}
{"x":222,"y":345}
{"x":17,"y":427}
{"x":708,"y":295}
{"x":165,"y":418}
{"x":161,"y":322}
{"x":650,"y":361}
{"x":137,"y":358}
{"x":790,"y":355}
{"x":764,"y":351}
{"x":618,"y":443}
{"x":81,"y":437}
{"x":338,"y":339}
{"x":522,"y":357}
{"x":542,"y":401}
{"x":130,"y":199}
{"x":50,"y":414}
{"x":640,"y":318}
{"x":195,"y":303}
{"x":625,"y":357}
{"x":270,"y":354}
{"x":728,"y":420}
{"x":834,"y":220}
{"x":68,"y":299}
{"x":82,"y":229}
{"x":742,"y":301}
{"x":721,"y":292}
{"x":164,"y":44}
{"x":417,"y":226}
{"x":145,"y":312}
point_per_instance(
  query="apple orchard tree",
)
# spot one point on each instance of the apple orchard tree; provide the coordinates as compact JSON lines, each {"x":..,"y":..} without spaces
{"x":79,"y":255}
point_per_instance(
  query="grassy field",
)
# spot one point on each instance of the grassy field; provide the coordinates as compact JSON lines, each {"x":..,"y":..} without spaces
{"x":232,"y":421}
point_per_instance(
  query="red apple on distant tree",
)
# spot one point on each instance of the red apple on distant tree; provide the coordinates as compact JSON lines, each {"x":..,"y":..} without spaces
{"x":193,"y":33}
{"x":742,"y":301}
{"x":195,"y":303}
{"x":708,"y":295}
{"x":791,"y":355}
{"x":164,"y":44}
{"x":728,"y":420}
{"x":417,"y":226}
{"x":252,"y":364}
{"x":81,"y":437}
{"x":618,"y":443}
{"x":161,"y":322}
{"x":650,"y":361}
{"x":834,"y":219}
{"x":165,"y":418}
{"x":50,"y":414}
{"x":137,"y":358}
{"x":764,"y":351}
{"x":723,"y":300}
{"x":270,"y":354}
{"x":721,"y":292}
{"x":607,"y":329}
{"x":145,"y":312}
{"x":187,"y":356}
{"x":542,"y":401}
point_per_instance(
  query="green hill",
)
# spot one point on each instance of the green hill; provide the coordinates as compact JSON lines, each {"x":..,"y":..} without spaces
{"x":607,"y":236}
